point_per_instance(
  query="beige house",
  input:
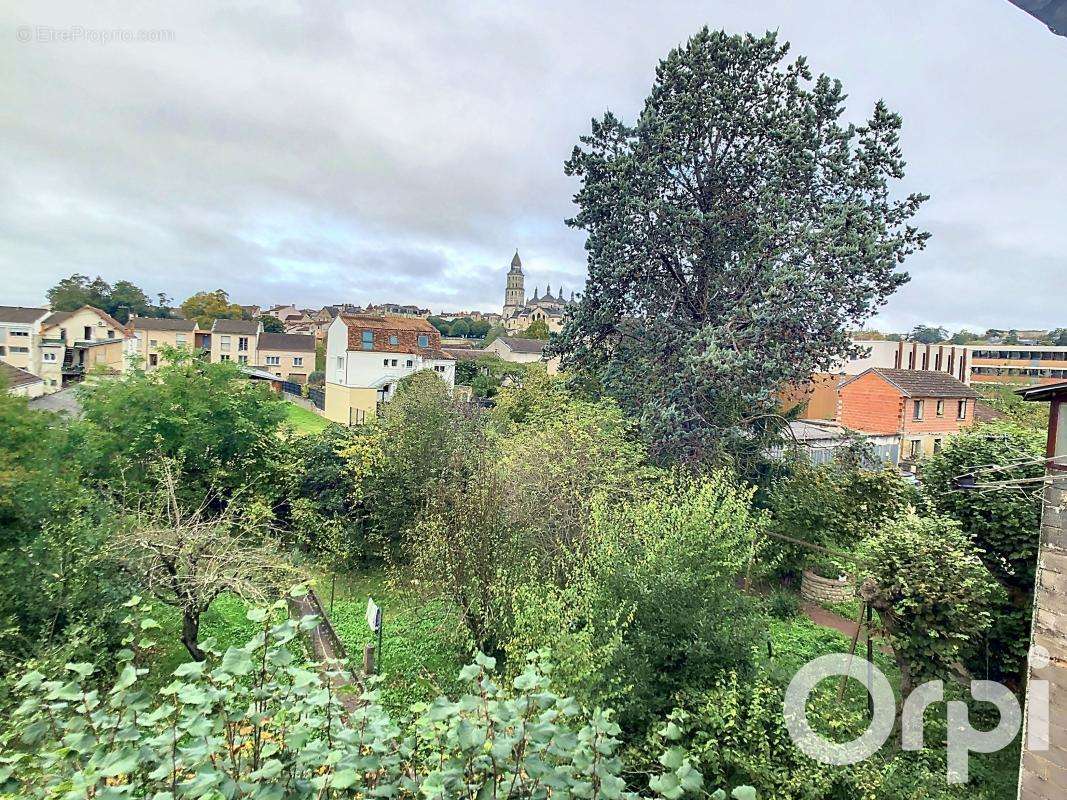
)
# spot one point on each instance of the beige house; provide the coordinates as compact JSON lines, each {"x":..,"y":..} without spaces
{"x":20,"y":335}
{"x":523,"y":351}
{"x":19,"y":382}
{"x":290,"y":357}
{"x":235,"y":340}
{"x":92,"y":339}
{"x":150,"y":336}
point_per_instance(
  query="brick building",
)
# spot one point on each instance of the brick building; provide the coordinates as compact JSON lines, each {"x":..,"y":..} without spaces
{"x":922,"y":407}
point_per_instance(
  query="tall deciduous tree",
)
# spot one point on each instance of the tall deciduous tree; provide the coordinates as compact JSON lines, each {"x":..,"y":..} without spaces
{"x":736,"y":233}
{"x":206,"y":307}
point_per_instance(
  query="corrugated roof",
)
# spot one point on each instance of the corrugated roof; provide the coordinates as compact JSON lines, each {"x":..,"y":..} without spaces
{"x":293,"y":342}
{"x":13,"y":376}
{"x":244,"y":327}
{"x":921,"y":382}
{"x":161,"y":324}
{"x":21,"y":315}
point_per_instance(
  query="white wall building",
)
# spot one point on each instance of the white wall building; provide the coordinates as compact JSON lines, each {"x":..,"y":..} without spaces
{"x":368,"y":355}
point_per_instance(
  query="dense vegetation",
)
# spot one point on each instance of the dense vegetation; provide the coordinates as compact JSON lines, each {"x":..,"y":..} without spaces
{"x":583,"y":543}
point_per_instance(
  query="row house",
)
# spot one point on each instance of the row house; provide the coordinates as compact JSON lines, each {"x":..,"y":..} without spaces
{"x":922,"y":408}
{"x":61,"y":346}
{"x":243,"y":342}
{"x":367,"y":355}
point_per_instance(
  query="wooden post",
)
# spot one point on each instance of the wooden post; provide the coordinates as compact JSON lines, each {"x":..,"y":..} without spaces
{"x":368,"y":659}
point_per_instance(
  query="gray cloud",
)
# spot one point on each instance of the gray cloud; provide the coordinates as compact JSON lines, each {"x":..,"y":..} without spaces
{"x":316,"y":152}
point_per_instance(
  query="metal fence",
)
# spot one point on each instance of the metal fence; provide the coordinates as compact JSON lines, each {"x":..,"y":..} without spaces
{"x":289,"y":387}
{"x":318,"y":397}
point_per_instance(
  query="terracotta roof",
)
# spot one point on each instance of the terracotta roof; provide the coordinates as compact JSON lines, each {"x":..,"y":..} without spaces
{"x":13,"y":376}
{"x":161,"y":324}
{"x":57,"y":317}
{"x":519,"y":345}
{"x":20,"y":314}
{"x":245,"y":327}
{"x":290,"y":342}
{"x":391,"y":322}
{"x":921,"y":382}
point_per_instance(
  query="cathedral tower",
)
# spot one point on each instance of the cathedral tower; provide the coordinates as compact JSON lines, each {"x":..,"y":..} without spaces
{"x":515,"y":293}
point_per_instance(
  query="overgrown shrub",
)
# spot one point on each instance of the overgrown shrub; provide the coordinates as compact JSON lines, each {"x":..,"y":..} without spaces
{"x":255,"y":722}
{"x":1004,"y":524}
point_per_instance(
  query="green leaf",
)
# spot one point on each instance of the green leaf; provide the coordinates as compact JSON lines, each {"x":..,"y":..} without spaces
{"x":743,"y":793}
{"x":237,"y":661}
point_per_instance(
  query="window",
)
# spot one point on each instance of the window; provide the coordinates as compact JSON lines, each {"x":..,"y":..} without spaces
{"x":340,"y":362}
{"x":87,"y":332}
{"x":392,"y":363}
{"x":394,"y":340}
{"x":224,"y":343}
{"x":368,"y":340}
{"x":224,"y":357}
{"x":937,"y":361}
{"x":110,"y":334}
{"x":242,"y":343}
{"x":937,"y":446}
{"x":439,"y":369}
{"x":911,"y":360}
{"x":424,"y":340}
{"x":151,"y":342}
{"x":20,"y":349}
{"x":410,"y":363}
{"x":3,"y":350}
{"x":926,"y":360}
{"x":940,"y":408}
{"x":180,"y":340}
{"x":385,"y":362}
{"x":48,"y":357}
{"x":961,"y":409}
{"x":242,"y":359}
{"x":153,"y":360}
{"x":298,"y":361}
{"x":274,"y":361}
{"x":20,"y":332}
{"x":917,"y":409}
{"x":916,"y":448}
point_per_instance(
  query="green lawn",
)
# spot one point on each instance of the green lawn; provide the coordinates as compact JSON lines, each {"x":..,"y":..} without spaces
{"x":224,"y":621}
{"x":423,"y":644}
{"x":304,"y":421}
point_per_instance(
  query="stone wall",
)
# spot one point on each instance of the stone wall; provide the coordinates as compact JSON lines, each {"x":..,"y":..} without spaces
{"x":1044,"y":770}
{"x":826,"y":590}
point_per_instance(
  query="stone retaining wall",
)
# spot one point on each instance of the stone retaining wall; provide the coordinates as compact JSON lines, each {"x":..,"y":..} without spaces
{"x":826,"y":590}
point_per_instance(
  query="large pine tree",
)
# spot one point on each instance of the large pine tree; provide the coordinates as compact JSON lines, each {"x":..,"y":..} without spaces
{"x":735,"y":234}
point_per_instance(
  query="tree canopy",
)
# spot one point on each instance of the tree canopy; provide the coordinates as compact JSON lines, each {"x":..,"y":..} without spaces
{"x":736,"y":233}
{"x":119,"y":300}
{"x":206,"y":307}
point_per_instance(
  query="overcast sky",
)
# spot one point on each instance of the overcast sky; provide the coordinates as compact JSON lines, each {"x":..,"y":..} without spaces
{"x":314,"y":153}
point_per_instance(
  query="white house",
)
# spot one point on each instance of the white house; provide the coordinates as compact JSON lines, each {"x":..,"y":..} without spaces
{"x":367,"y":355}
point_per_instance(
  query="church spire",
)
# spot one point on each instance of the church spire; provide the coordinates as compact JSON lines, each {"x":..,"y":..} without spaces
{"x":535,"y":293}
{"x":516,"y":263}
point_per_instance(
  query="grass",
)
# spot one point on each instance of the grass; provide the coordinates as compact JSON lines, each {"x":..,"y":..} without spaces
{"x":224,"y":621}
{"x":423,"y":644}
{"x":303,"y":421}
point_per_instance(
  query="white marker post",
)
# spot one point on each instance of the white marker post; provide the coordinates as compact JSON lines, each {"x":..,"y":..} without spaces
{"x":374,"y":621}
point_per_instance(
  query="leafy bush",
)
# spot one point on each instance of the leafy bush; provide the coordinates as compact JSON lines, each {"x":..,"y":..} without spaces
{"x":255,"y":722}
{"x":1004,"y":524}
{"x":783,"y":604}
{"x":647,"y":599}
{"x":833,"y":505}
{"x":215,"y":425}
{"x":932,"y":593}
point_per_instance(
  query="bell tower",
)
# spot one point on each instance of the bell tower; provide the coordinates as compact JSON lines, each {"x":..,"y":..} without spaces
{"x":515,"y":293}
